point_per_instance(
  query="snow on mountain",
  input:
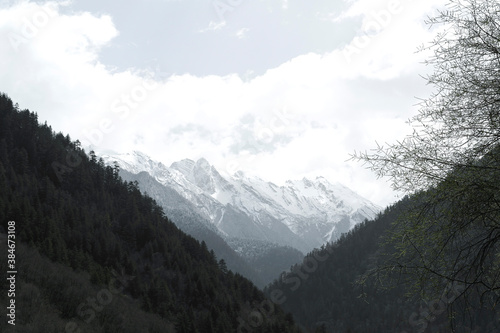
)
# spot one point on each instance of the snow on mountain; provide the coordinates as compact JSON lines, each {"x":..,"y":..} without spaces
{"x":303,"y":213}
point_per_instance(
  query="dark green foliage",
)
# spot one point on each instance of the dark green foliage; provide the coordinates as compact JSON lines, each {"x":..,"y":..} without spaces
{"x":97,"y":234}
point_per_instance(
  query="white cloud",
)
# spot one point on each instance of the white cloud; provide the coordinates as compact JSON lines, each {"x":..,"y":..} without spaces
{"x":302,"y":118}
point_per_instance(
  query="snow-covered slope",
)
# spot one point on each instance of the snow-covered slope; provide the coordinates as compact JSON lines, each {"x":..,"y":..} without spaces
{"x":303,"y":214}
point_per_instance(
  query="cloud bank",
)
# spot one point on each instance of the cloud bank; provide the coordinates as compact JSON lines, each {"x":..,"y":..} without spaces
{"x":302,"y":118}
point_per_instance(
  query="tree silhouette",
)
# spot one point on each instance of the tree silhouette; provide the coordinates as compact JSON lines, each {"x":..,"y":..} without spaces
{"x":451,"y":233}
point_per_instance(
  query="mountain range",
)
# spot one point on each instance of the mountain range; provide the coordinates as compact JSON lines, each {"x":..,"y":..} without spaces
{"x":92,"y":253}
{"x":303,"y":214}
{"x":88,"y":252}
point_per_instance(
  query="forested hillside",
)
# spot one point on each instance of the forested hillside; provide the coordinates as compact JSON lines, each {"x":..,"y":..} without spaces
{"x":93,"y":253}
{"x":258,"y":261}
{"x":430,"y":263}
{"x":325,"y":291}
{"x":348,"y":286}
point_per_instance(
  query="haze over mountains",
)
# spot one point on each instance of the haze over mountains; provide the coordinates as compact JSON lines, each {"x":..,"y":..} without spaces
{"x":302,"y":214}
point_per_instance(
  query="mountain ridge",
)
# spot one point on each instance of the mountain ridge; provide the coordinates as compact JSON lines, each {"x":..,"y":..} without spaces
{"x":304,"y":214}
{"x":95,"y":254}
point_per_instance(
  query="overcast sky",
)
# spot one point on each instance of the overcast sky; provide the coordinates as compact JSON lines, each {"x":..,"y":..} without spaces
{"x":279,"y":89}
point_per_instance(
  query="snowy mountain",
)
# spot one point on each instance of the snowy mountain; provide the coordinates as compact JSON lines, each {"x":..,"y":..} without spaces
{"x":303,"y":214}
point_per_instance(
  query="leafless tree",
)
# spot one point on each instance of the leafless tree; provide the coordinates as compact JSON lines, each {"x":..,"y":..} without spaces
{"x":450,"y":164}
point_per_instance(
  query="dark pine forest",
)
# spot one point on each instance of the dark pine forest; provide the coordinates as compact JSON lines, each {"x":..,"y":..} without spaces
{"x":95,"y":255}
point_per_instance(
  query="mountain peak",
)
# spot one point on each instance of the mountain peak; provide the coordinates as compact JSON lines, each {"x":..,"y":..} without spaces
{"x":202,"y":166}
{"x":202,"y":161}
{"x":307,"y":183}
{"x":184,"y":166}
{"x":305,"y":211}
{"x":239,"y":174}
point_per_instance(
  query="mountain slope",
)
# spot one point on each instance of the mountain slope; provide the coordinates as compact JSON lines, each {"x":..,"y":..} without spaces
{"x":338,"y":289}
{"x":260,"y":266}
{"x":182,"y":213}
{"x":93,"y":230}
{"x":322,"y":291}
{"x":303,"y":214}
